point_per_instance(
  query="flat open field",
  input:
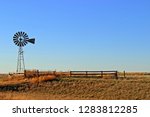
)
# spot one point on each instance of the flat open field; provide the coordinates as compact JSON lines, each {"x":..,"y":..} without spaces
{"x":77,"y":89}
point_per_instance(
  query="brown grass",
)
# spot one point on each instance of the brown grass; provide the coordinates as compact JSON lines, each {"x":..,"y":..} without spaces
{"x":47,"y":88}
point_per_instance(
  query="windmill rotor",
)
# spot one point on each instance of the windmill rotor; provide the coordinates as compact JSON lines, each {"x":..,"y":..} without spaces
{"x":20,"y":39}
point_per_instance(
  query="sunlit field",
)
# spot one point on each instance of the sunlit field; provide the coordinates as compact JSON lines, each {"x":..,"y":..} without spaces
{"x":136,"y":87}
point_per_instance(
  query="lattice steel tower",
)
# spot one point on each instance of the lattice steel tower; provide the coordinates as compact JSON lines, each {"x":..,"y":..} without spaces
{"x":21,"y":39}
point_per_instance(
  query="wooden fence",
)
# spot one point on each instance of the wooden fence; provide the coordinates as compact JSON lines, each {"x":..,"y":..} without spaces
{"x":37,"y":73}
{"x":100,"y":74}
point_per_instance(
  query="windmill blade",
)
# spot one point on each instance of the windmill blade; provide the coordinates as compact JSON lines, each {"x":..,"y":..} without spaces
{"x":19,"y":44}
{"x":32,"y":40}
{"x":21,"y":33}
{"x":17,"y":34}
{"x":24,"y":43}
{"x":16,"y":42}
{"x":25,"y":35}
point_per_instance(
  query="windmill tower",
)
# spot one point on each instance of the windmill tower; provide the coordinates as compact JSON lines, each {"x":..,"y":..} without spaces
{"x":21,"y":39}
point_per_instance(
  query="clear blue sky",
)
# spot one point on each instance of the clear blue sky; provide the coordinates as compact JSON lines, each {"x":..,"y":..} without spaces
{"x":77,"y":34}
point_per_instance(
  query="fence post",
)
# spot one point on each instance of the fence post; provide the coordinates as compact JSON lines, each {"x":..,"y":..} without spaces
{"x":116,"y":74}
{"x":54,"y":72}
{"x":70,"y":74}
{"x":124,"y":74}
{"x":102,"y":74}
{"x":38,"y":73}
{"x":25,"y":73}
{"x":86,"y":73}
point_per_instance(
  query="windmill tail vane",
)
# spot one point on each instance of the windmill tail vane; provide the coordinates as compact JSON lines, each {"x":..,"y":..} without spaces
{"x":32,"y":40}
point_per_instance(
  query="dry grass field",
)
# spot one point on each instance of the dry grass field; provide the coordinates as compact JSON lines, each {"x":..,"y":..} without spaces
{"x":44,"y":88}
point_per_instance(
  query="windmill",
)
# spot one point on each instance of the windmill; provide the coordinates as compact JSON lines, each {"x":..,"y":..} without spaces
{"x":21,"y":39}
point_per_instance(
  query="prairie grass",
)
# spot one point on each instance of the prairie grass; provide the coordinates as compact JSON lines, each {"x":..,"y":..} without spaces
{"x":49,"y":88}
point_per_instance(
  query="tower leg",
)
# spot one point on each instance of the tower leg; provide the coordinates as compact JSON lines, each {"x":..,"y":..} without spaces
{"x":20,"y":61}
